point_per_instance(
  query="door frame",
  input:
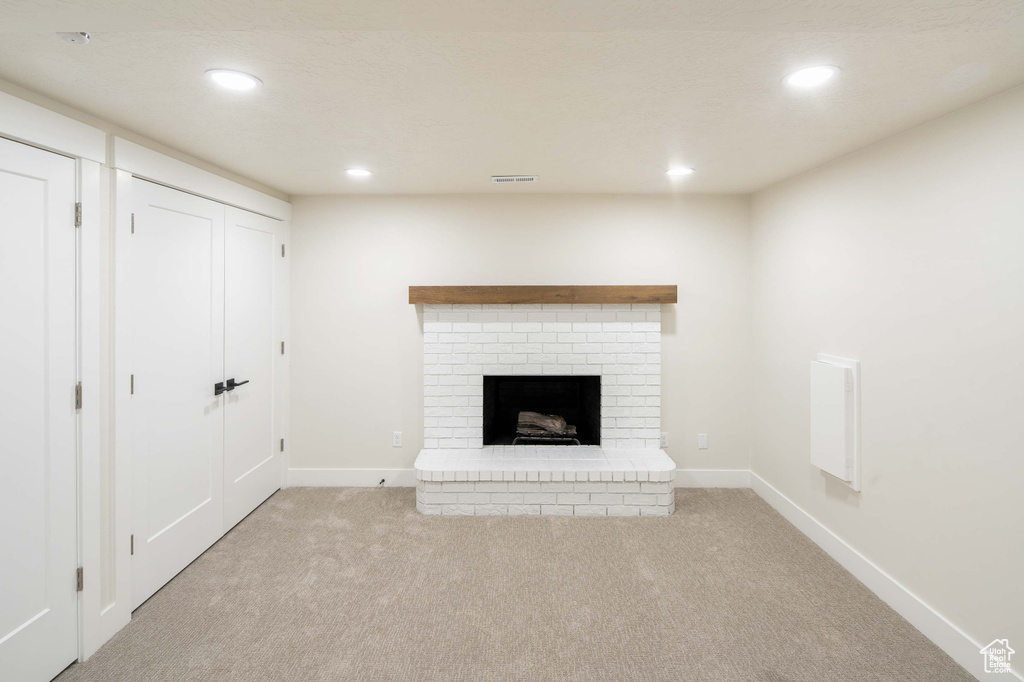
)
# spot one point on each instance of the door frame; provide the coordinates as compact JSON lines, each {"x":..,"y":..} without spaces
{"x":35,"y":126}
{"x":129,"y":161}
{"x":105,"y":165}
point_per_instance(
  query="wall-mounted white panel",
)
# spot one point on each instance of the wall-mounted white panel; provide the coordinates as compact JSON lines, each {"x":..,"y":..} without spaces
{"x":834,"y":419}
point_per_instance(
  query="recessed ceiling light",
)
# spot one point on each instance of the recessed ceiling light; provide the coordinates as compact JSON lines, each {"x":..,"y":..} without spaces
{"x":233,"y":80}
{"x":678,"y":171}
{"x":358,"y":172}
{"x":811,"y":76}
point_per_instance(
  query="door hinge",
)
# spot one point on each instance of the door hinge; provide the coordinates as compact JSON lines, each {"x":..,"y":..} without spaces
{"x":133,"y":385}
{"x":282,"y":348}
{"x":78,"y":214}
{"x":80,"y":578}
{"x":78,"y":395}
{"x":133,"y":223}
{"x":282,"y":445}
{"x":282,"y":250}
{"x":132,"y":543}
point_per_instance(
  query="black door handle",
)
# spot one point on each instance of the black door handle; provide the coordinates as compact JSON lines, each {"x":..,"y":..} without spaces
{"x":221,"y":387}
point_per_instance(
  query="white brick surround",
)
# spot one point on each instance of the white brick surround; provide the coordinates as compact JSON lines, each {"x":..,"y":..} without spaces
{"x":627,"y":475}
{"x":547,"y":499}
{"x":619,"y":343}
{"x":518,"y":480}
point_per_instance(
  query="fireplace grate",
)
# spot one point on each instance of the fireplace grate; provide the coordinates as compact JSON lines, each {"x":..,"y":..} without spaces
{"x":546,"y":440}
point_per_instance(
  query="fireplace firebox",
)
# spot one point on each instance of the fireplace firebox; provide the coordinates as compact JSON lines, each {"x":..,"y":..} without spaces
{"x":576,"y":399}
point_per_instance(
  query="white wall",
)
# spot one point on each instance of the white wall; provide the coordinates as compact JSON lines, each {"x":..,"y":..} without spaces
{"x":908,"y":256}
{"x":355,"y":257}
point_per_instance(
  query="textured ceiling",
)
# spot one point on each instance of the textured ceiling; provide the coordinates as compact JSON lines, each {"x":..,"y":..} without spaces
{"x":591,"y":95}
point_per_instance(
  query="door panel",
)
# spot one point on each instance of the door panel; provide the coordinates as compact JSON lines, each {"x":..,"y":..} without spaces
{"x":177,"y":274}
{"x":38,"y":600}
{"x":252,"y":470}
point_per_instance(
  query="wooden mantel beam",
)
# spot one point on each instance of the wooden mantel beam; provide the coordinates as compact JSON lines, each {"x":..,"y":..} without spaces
{"x":543,"y":294}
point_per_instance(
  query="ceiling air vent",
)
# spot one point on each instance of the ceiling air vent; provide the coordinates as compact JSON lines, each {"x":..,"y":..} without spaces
{"x":503,"y":179}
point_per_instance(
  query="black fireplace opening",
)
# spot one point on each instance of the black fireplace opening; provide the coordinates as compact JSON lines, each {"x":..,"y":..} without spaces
{"x":577,"y":399}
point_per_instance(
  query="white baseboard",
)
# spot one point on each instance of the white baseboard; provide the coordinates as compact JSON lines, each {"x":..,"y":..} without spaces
{"x":112,"y":619}
{"x":948,"y":637}
{"x":712,"y":478}
{"x":354,"y":478}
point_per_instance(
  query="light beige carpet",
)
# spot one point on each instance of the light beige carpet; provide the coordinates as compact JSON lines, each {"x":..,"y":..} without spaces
{"x":353,"y":584}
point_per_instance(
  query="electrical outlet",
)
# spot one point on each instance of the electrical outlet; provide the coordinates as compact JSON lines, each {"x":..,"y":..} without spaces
{"x":396,"y":439}
{"x":702,"y":441}
{"x":664,"y":439}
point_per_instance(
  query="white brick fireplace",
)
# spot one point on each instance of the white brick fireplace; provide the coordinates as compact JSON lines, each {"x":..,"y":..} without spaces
{"x":626,"y":474}
{"x":620,"y":343}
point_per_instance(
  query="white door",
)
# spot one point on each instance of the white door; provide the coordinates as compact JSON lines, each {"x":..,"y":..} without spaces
{"x":177,"y":313}
{"x":38,"y":556}
{"x":252,"y":469}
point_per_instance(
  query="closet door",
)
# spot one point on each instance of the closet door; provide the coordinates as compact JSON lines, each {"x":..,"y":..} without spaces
{"x":252,"y":257}
{"x":38,"y":600}
{"x":177,"y":312}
